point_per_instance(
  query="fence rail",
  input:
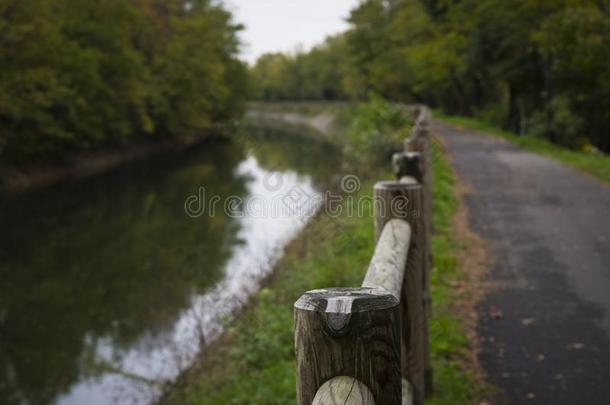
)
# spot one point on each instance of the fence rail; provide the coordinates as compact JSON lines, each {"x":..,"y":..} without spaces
{"x":370,"y":345}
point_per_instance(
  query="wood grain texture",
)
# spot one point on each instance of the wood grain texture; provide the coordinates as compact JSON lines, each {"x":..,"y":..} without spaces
{"x":421,"y":142}
{"x":351,"y":332}
{"x":412,"y":301}
{"x":391,"y":202}
{"x":387,"y":268}
{"x":344,"y":391}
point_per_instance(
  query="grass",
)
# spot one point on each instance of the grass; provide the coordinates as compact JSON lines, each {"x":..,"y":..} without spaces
{"x":455,"y":381}
{"x":595,"y":164}
{"x":254,"y":364}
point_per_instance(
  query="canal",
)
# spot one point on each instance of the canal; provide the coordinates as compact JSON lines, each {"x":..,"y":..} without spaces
{"x":110,"y":285}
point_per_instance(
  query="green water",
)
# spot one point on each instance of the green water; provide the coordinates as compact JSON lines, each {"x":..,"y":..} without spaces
{"x":98,"y":275}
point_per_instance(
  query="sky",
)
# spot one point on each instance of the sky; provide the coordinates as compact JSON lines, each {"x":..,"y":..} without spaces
{"x":283,"y":25}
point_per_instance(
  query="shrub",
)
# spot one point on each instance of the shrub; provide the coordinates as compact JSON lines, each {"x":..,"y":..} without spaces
{"x":377,"y":128}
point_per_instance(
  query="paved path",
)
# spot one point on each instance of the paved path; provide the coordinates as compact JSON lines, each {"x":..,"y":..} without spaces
{"x":549,"y":232}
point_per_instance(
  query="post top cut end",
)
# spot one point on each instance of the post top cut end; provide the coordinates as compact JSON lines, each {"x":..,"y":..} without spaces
{"x":346,"y":300}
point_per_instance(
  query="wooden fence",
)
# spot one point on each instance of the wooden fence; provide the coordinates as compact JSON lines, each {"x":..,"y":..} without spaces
{"x":370,"y":345}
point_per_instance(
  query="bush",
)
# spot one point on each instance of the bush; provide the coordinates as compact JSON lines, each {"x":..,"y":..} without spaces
{"x":377,"y":128}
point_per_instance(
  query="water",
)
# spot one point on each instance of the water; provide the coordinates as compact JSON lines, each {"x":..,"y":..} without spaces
{"x":108,"y":288}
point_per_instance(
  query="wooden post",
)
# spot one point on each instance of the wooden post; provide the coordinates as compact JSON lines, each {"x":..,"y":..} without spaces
{"x":352,"y":332}
{"x":408,"y":164}
{"x":403,"y":199}
{"x":411,"y":164}
{"x":421,"y":142}
{"x":391,"y":202}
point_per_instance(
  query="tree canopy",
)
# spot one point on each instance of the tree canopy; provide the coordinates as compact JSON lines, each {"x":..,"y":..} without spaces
{"x":80,"y":74}
{"x":531,"y":66}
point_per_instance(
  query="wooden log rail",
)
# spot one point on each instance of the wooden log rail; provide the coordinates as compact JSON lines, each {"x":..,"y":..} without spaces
{"x":369,"y":345}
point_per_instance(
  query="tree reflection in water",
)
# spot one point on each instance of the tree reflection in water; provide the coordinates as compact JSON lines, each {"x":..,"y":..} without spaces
{"x":107,"y":287}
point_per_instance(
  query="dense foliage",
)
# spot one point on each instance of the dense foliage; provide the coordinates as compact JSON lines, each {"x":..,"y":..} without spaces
{"x":531,"y":66}
{"x":375,"y":129}
{"x":79,"y":74}
{"x":322,"y":73}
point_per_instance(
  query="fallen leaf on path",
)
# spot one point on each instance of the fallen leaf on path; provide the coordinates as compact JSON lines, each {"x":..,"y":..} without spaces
{"x":527,"y":321}
{"x":495,"y":313}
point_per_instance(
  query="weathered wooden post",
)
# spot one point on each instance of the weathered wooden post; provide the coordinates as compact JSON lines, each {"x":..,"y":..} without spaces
{"x":407,"y":164}
{"x":421,"y":141}
{"x":351,"y":332}
{"x":403,"y":199}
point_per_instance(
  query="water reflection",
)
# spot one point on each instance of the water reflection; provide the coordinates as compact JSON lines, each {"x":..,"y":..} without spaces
{"x":107,"y":288}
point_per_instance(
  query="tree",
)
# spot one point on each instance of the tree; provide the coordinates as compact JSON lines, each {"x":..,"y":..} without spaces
{"x":78,"y":74}
{"x":531,"y":66}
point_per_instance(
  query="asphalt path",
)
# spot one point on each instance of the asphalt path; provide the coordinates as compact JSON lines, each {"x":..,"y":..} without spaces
{"x":545,"y":323}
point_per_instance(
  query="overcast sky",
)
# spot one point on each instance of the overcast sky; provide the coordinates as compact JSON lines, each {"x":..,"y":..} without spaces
{"x":282,"y":25}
